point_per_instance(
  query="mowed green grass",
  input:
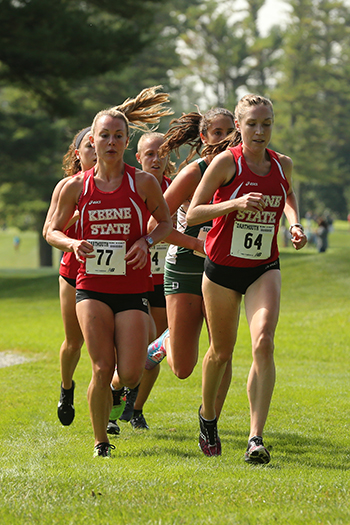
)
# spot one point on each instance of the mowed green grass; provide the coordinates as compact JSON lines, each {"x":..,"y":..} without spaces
{"x":48,"y":475}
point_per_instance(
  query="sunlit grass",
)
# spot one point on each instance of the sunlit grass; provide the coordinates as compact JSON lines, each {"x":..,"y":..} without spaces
{"x":48,"y":475}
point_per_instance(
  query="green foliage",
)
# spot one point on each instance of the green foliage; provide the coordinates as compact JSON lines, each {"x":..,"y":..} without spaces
{"x":312,"y":98}
{"x":62,"y":64}
{"x":43,"y":50}
{"x":70,"y":79}
{"x":48,"y":475}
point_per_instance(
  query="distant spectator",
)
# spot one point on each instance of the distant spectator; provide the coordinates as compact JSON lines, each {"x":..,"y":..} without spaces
{"x":16,"y":242}
{"x":322,"y":234}
{"x":310,"y":233}
{"x":329,"y":220}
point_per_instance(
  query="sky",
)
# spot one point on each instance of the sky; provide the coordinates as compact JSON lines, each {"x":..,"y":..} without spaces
{"x":274,"y":12}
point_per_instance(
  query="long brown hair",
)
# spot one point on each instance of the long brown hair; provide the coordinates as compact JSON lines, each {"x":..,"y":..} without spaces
{"x":70,"y":163}
{"x":187,"y":130}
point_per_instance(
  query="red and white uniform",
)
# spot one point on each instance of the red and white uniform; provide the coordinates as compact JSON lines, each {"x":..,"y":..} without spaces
{"x":112,"y":222}
{"x":243,"y":238}
{"x":69,"y":265}
{"x":159,"y":251}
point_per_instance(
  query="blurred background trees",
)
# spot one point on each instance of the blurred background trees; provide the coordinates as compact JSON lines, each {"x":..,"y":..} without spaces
{"x":62,"y":62}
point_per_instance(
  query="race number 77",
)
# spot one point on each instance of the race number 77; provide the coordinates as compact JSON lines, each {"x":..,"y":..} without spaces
{"x":101,"y":253}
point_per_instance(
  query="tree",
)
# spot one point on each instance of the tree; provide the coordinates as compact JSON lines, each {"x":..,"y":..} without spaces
{"x":61,"y":84}
{"x":45,"y":47}
{"x":224,"y":53}
{"x":312,"y":101}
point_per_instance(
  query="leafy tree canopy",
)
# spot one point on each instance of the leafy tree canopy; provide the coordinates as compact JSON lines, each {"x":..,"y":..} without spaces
{"x":45,"y":46}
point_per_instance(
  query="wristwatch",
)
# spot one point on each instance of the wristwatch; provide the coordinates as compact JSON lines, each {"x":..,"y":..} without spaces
{"x":149,"y":241}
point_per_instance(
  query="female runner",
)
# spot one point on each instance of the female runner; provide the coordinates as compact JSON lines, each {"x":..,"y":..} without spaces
{"x":251,"y":186}
{"x":184,"y":261}
{"x":80,"y":157}
{"x":161,"y":168}
{"x":114,"y":202}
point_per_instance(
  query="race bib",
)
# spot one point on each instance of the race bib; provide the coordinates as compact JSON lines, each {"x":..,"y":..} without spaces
{"x":109,"y":258}
{"x":252,"y":241}
{"x":158,"y":253}
{"x":202,"y":235}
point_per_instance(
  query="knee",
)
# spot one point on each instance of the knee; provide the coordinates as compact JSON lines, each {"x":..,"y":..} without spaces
{"x":130,"y":378}
{"x":102,"y":373}
{"x":73,"y":346}
{"x":221,"y":358}
{"x":264,"y":347}
{"x":183,"y":371}
{"x":182,"y":367}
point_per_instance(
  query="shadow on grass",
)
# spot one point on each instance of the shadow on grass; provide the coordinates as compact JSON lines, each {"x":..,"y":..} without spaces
{"x":159,"y":450}
{"x":28,"y":285}
{"x":287,"y":449}
{"x":315,"y":452}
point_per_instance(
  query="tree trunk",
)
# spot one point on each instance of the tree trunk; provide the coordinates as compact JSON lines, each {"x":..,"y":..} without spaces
{"x":45,"y":252}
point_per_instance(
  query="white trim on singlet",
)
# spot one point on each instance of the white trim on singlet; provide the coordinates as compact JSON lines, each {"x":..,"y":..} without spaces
{"x":239,"y":162}
{"x":284,"y":192}
{"x":234,"y":194}
{"x":86,"y":185}
{"x":131,"y":182}
{"x":139,"y":213}
{"x":280,"y":168}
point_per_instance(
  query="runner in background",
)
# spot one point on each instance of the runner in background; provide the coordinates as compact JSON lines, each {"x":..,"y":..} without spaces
{"x":185,"y":257}
{"x":162,"y":169}
{"x":80,"y":157}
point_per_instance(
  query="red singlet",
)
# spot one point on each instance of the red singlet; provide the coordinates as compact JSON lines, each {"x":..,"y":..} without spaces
{"x":112,"y":221}
{"x":245,"y":238}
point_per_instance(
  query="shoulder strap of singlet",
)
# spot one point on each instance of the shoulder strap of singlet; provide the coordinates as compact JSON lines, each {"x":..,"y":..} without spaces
{"x":88,"y":176}
{"x":129,"y":172}
{"x":234,"y":176}
{"x":202,"y":165}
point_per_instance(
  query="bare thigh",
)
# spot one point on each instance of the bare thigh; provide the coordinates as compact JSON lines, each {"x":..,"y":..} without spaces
{"x":97,"y":323}
{"x":71,"y":325}
{"x":222,"y":307}
{"x":160,"y":318}
{"x":185,"y":320}
{"x":131,"y":342}
{"x":262,"y":304}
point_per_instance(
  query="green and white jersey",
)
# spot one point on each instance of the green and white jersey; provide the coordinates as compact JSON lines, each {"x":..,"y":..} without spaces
{"x":183,"y":257}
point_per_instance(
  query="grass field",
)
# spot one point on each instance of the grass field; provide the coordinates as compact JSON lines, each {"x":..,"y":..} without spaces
{"x":48,"y":475}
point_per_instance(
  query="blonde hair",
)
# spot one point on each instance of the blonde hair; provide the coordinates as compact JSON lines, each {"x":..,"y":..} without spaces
{"x":146,"y":108}
{"x":234,"y":138}
{"x":170,"y":167}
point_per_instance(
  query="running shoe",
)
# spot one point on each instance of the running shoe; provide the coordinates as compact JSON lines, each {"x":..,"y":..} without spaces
{"x":129,"y":405}
{"x":103,"y":450}
{"x":209,"y":441}
{"x":256,"y":452}
{"x":65,"y":409}
{"x":139,"y":423}
{"x":119,"y":400}
{"x":156,"y":351}
{"x":113,"y":427}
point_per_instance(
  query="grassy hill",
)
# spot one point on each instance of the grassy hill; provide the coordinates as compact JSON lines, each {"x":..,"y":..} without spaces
{"x":48,"y":475}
